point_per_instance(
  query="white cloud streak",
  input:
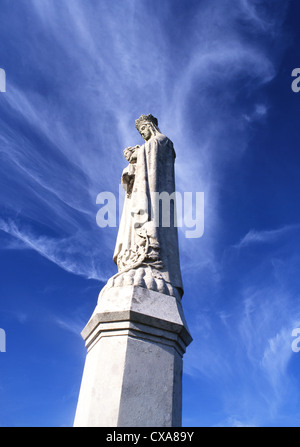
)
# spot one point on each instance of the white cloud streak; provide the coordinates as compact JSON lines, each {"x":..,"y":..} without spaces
{"x":64,"y":252}
{"x":104,"y":64}
{"x":106,"y":75}
{"x":266,"y":236}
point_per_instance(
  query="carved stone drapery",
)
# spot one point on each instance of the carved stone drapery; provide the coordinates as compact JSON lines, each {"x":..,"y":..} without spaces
{"x":146,"y":252}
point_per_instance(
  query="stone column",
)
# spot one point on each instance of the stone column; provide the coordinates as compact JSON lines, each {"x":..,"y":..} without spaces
{"x":132,"y":377}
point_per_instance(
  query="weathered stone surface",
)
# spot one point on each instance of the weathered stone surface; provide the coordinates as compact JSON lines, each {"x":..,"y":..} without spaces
{"x":139,"y":305}
{"x":137,"y":335}
{"x":132,"y":377}
{"x":146,"y":250}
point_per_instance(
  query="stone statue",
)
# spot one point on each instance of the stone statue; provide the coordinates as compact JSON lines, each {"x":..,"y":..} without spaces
{"x":146,"y":251}
{"x":137,"y":334}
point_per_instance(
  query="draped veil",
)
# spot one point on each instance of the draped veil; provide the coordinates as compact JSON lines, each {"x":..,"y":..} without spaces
{"x":146,"y":250}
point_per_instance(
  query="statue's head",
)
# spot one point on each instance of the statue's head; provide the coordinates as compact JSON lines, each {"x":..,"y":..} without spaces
{"x":147,"y":125}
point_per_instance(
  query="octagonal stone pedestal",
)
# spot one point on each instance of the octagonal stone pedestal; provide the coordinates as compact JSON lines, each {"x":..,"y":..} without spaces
{"x":133,"y":372}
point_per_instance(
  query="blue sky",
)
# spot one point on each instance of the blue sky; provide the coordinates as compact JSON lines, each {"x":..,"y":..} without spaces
{"x":217,"y":74}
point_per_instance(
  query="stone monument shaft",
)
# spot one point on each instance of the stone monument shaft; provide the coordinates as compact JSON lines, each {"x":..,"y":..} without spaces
{"x":137,"y":334}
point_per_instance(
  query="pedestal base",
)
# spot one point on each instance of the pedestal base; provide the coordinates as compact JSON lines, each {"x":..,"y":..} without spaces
{"x":133,"y":371}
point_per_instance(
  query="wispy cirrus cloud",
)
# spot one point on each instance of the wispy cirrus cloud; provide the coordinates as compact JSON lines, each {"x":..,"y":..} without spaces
{"x":64,"y":252}
{"x":266,"y":236}
{"x":81,"y":74}
{"x":104,"y":75}
{"x":269,"y":315}
{"x":74,"y":326}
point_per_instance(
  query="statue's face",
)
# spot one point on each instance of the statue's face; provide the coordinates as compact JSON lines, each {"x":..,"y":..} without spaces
{"x":145,"y":131}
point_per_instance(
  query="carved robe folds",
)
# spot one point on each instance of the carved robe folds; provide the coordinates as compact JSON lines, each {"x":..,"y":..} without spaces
{"x":146,"y":250}
{"x":137,"y":334}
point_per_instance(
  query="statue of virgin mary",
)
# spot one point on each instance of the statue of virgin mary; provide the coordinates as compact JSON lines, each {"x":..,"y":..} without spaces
{"x":146,"y":250}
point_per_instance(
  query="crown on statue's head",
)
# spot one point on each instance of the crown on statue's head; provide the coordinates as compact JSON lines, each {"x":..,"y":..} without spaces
{"x":146,"y":119}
